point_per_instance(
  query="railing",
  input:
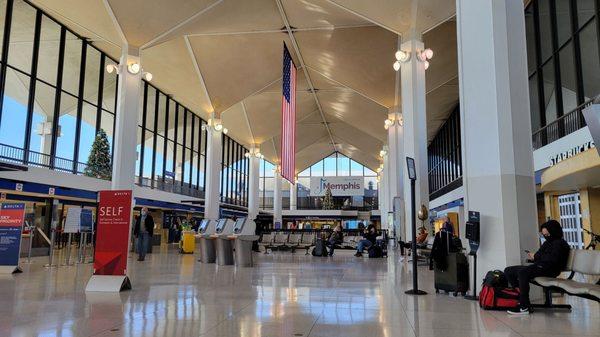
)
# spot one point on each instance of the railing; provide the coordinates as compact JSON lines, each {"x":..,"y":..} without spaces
{"x":562,"y":126}
{"x":32,"y":158}
{"x":171,"y":186}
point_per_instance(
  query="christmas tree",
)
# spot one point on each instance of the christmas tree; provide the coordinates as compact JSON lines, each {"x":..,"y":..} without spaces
{"x":98,"y":164}
{"x":328,"y":200}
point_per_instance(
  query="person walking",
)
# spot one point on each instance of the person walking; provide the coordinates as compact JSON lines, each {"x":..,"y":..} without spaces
{"x":143,"y":231}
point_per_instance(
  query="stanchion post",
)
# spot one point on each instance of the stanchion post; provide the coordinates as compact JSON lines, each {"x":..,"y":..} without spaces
{"x":31,"y":234}
{"x":51,"y":256}
{"x":68,"y":260}
{"x":412,"y":175}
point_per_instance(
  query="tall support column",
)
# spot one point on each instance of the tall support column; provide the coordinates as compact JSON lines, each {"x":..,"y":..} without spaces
{"x":383,"y":193}
{"x":412,"y":76}
{"x":214,"y":149}
{"x":123,"y":170}
{"x":395,"y":172}
{"x":294,"y":196}
{"x":277,"y":217}
{"x":497,"y":153}
{"x":253,"y":191}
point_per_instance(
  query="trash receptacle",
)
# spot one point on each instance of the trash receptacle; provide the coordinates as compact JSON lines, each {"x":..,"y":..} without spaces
{"x":224,"y":251}
{"x":243,"y":250}
{"x":207,"y":249}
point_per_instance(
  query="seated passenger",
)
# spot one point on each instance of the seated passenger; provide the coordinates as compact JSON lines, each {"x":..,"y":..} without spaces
{"x":369,"y":239}
{"x":548,"y":261}
{"x":422,"y":237}
{"x":336,"y":238}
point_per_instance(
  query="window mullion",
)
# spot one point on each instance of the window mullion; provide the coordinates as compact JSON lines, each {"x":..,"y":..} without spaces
{"x":32,"y":86}
{"x":83,"y":61}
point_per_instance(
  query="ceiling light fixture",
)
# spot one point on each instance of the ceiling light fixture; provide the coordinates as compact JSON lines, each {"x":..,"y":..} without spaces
{"x":382,"y":153}
{"x":254,"y":153}
{"x":112,"y":68}
{"x":147,"y":76}
{"x":134,"y":68}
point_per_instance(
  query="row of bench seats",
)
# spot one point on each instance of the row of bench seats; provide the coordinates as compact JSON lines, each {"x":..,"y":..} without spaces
{"x":288,"y":240}
{"x":303,"y":240}
{"x":585,"y":262}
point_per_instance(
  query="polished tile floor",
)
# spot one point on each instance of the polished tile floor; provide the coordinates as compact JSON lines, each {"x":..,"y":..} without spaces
{"x":283,"y":295}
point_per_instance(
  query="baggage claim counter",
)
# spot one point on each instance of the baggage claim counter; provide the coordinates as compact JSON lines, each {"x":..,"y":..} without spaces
{"x":218,"y":239}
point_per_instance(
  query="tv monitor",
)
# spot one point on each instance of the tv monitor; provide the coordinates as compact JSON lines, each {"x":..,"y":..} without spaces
{"x":239,"y":225}
{"x":221,"y":225}
{"x":203,"y":225}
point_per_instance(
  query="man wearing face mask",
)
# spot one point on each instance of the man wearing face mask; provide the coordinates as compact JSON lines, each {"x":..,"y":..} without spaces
{"x":548,"y":261}
{"x":143,"y":233}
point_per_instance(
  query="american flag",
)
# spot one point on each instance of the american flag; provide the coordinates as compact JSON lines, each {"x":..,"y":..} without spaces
{"x":288,"y":118}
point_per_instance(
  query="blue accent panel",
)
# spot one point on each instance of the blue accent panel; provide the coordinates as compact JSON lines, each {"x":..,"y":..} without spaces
{"x":538,"y":176}
{"x":452,"y":204}
{"x":163,"y":204}
{"x":43,"y":189}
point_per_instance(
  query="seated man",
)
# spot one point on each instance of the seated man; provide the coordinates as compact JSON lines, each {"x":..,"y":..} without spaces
{"x":548,"y":261}
{"x":336,"y":238}
{"x":369,"y":239}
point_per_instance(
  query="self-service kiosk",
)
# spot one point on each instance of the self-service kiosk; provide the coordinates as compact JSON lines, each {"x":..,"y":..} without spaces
{"x":207,"y":241}
{"x":223,"y":231}
{"x":244,"y":234}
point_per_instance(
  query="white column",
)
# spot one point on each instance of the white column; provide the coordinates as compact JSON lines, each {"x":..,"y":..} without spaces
{"x":497,"y":154}
{"x":383,"y":195}
{"x":395,"y":172}
{"x":253,"y":191}
{"x":412,"y":75}
{"x":294,"y":196}
{"x":123,"y":171}
{"x":214,"y":149}
{"x":277,"y":217}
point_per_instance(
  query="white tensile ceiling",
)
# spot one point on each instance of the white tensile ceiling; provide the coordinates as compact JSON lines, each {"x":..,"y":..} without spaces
{"x":225,"y":56}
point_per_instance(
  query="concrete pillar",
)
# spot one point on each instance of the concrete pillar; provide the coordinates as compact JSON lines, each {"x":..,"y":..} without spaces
{"x":497,"y":154}
{"x":395,"y":168}
{"x":277,"y":195}
{"x":414,"y":117}
{"x":293,"y":197}
{"x":123,"y":171}
{"x":253,"y":190}
{"x":212,"y":197}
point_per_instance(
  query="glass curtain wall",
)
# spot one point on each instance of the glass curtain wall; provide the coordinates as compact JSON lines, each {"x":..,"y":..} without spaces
{"x":55,"y":94}
{"x":234,"y":173}
{"x":335,"y":165}
{"x":563,"y":65}
{"x":444,"y":157}
{"x":171,"y":145}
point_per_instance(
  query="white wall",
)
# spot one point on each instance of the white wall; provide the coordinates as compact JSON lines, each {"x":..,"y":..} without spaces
{"x":541,"y":156}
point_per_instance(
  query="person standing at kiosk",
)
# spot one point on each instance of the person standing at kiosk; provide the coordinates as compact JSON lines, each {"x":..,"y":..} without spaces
{"x":143,"y":231}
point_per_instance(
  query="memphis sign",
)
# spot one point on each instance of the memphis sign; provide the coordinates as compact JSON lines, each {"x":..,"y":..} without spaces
{"x":340,"y":186}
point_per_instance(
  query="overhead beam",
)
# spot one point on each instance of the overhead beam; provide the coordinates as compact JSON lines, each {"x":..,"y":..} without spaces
{"x":248,"y":123}
{"x":302,"y":64}
{"x":364,"y":17}
{"x":115,"y":21}
{"x":198,"y":72}
{"x":345,"y":86}
{"x":156,"y":40}
{"x":267,"y":31}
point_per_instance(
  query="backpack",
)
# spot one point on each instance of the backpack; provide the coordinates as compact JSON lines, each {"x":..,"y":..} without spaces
{"x":498,"y":298}
{"x":320,"y":248}
{"x":495,"y":278}
{"x":375,"y":251}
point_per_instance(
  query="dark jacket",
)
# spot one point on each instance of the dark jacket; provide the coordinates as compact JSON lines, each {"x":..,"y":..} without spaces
{"x":554,"y":253}
{"x":336,"y":237}
{"x":443,"y":244}
{"x":149,"y":224}
{"x":372,"y":237}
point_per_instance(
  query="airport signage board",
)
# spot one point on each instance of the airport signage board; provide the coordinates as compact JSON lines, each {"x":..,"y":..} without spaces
{"x":339,"y":186}
{"x":11,"y":224}
{"x":73,"y":220}
{"x":87,"y":220}
{"x":112,"y":240}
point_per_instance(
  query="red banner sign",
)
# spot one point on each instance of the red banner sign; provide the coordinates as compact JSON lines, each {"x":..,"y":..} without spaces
{"x":112,"y":241}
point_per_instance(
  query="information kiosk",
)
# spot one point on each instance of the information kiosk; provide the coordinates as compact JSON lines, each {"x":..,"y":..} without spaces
{"x":244,"y":235}
{"x":224,"y":247}
{"x":207,"y":241}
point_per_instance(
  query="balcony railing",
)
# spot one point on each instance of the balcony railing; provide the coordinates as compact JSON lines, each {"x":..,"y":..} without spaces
{"x":562,"y":126}
{"x":37,"y":159}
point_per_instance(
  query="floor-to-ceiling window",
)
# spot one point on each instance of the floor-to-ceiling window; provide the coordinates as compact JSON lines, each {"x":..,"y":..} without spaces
{"x":444,"y":157}
{"x":234,"y":173}
{"x":171,"y":145}
{"x":55,"y":94}
{"x":563,"y":65}
{"x":334,"y":165}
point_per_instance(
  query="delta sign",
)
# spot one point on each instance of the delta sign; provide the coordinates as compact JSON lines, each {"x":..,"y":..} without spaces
{"x":339,"y":186}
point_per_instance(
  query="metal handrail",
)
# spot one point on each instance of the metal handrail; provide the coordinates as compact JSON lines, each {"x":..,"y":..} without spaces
{"x":562,"y":126}
{"x":38,"y":159}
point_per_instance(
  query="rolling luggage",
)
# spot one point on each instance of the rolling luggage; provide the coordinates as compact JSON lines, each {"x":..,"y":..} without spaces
{"x":320,"y":248}
{"x":188,"y":243}
{"x":455,"y":278}
{"x":375,"y":251}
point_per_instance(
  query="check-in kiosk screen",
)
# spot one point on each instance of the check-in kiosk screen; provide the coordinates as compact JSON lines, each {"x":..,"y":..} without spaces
{"x":239,"y":224}
{"x":221,"y":225}
{"x":203,"y":225}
